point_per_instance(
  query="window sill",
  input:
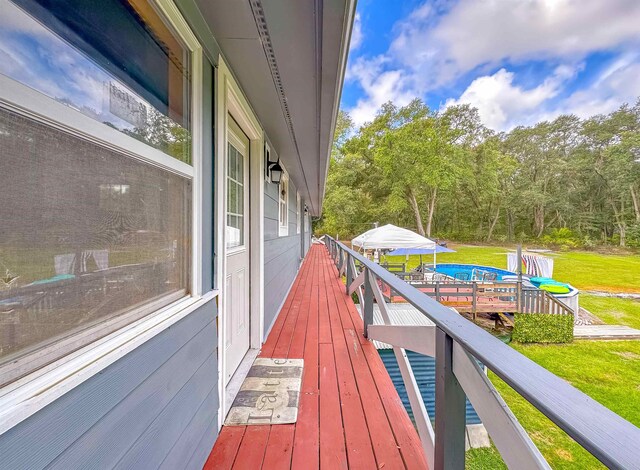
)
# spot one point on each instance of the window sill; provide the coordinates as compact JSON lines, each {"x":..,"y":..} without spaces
{"x":23,"y":398}
{"x":283,"y":231}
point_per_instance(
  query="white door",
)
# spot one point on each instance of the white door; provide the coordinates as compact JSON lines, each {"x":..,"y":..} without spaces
{"x":237,"y":328}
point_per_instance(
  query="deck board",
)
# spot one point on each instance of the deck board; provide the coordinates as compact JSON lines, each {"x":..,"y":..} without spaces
{"x":350,"y":414}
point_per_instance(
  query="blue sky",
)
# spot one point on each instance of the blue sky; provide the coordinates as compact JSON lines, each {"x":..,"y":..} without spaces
{"x":517,"y":61}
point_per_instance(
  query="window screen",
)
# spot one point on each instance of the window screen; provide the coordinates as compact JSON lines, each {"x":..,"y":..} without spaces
{"x":87,"y":237}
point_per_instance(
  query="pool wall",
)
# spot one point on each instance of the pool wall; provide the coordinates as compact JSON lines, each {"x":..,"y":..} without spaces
{"x":450,"y":269}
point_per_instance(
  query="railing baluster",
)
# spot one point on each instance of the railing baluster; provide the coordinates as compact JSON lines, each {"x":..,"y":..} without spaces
{"x":474,"y":300}
{"x":349,"y":274}
{"x":450,"y":408}
{"x":356,"y":285}
{"x":367,"y":308}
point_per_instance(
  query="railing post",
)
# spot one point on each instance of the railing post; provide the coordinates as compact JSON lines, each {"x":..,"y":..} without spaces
{"x":474,"y":299}
{"x":450,"y":408}
{"x":349,"y":273}
{"x":367,"y":308}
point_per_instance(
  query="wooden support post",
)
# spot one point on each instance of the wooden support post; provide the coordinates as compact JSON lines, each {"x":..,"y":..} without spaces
{"x":519,"y":272}
{"x":450,"y":408}
{"x":349,"y":273}
{"x":474,"y":299}
{"x":367,"y":308}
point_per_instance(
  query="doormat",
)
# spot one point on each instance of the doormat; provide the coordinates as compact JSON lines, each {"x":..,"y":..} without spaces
{"x":269,"y":394}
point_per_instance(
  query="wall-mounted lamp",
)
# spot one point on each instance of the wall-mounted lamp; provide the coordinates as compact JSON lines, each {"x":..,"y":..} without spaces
{"x":276,"y":172}
{"x":272,"y":166}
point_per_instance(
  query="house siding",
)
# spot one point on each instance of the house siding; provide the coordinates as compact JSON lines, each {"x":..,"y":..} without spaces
{"x":281,"y":254}
{"x":144,"y":410}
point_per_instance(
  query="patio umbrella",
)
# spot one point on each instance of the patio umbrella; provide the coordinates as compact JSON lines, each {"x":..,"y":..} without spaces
{"x":421,"y":251}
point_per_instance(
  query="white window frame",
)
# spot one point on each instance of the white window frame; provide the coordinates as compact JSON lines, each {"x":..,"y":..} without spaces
{"x":298,"y":213}
{"x":25,"y":396}
{"x":283,"y":222}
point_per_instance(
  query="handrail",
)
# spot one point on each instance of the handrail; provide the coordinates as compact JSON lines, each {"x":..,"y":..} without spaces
{"x":607,"y":436}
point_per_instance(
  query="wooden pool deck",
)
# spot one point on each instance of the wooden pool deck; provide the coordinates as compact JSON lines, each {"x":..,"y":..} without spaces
{"x":350,"y":414}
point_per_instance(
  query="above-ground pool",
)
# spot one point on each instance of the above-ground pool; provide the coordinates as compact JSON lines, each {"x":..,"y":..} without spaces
{"x":474,"y":272}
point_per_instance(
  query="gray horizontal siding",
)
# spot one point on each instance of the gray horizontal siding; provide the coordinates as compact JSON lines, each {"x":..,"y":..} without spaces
{"x":281,"y":254}
{"x":156,"y":405}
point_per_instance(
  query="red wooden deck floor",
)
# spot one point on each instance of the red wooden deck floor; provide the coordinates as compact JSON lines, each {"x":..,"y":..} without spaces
{"x":350,"y":414}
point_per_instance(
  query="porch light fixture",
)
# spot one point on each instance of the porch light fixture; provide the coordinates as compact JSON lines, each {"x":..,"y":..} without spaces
{"x":276,"y":172}
{"x":272,"y":166}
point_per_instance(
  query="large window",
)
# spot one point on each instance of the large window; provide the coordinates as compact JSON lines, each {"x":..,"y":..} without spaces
{"x":94,"y":234}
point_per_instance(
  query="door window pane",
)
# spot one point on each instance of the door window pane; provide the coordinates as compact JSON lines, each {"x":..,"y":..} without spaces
{"x":89,"y":239}
{"x":119,"y":64}
{"x":235,"y":198}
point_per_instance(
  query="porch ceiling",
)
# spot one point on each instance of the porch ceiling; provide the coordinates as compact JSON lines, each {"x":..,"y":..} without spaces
{"x":309,"y":40}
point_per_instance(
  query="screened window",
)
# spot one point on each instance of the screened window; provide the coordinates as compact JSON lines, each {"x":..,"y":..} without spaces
{"x":283,"y":210}
{"x":92,"y":237}
{"x":117,"y":63}
{"x":87,"y":235}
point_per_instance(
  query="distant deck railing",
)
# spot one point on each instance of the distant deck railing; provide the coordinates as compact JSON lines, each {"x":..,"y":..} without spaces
{"x":457,"y":345}
{"x":482,"y":296}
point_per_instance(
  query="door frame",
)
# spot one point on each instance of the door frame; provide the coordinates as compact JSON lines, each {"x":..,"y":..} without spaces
{"x":231,"y":102}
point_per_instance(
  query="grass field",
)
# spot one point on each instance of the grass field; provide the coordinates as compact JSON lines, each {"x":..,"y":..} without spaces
{"x":612,"y":310}
{"x":585,"y":270}
{"x":607,"y":371}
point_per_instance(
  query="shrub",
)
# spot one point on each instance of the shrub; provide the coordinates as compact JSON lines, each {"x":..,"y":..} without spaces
{"x":542,"y":328}
{"x":562,"y":237}
{"x":633,"y":235}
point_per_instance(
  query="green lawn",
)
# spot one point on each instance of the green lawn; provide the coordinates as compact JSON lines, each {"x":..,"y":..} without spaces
{"x":612,"y":310}
{"x":608,"y":371}
{"x":585,"y":270}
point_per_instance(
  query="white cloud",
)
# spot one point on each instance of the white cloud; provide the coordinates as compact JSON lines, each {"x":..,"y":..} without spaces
{"x":503,"y":105}
{"x":442,"y":41}
{"x":616,"y":85}
{"x":440,"y":46}
{"x":379,"y":86}
{"x":356,"y":34}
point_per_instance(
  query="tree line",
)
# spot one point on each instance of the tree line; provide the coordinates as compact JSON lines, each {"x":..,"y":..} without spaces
{"x":570,"y":181}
